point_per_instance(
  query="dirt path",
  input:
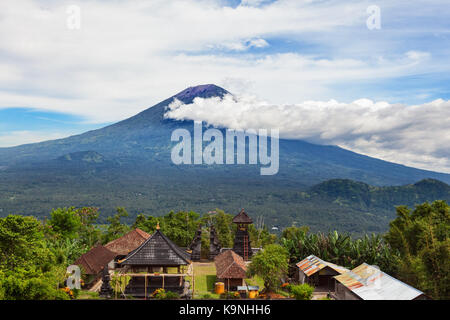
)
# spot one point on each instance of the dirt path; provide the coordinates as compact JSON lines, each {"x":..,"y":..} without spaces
{"x":96,"y":287}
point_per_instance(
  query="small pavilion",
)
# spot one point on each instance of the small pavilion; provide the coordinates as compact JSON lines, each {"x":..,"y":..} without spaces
{"x":157,"y":263}
{"x":230,"y":269}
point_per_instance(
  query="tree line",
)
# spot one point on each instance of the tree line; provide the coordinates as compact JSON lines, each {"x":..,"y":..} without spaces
{"x":34,"y":254}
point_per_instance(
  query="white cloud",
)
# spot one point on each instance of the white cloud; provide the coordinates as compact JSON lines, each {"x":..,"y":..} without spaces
{"x":15,"y":138}
{"x":415,"y":135}
{"x":129,"y":55}
{"x":243,"y":45}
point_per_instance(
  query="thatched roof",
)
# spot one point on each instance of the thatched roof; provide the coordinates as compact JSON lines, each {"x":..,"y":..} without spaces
{"x":95,"y":259}
{"x":158,"y":250}
{"x":230,"y":265}
{"x":128,"y":242}
{"x":242,"y":217}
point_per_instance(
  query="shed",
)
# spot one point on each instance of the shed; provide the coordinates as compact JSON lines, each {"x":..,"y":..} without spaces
{"x":230,"y":269}
{"x":93,"y":262}
{"x":319,"y":273}
{"x":367,"y":282}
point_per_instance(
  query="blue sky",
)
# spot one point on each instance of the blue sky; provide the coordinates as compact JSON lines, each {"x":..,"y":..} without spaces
{"x":57,"y":79}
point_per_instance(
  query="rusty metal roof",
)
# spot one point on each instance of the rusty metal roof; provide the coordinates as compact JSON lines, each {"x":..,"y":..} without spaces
{"x":370,"y":283}
{"x":312,"y":264}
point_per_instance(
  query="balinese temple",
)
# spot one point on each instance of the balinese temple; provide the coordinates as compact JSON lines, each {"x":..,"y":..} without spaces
{"x":242,"y":245}
{"x":156,"y":263}
{"x":196,"y":245}
{"x":214,"y":244}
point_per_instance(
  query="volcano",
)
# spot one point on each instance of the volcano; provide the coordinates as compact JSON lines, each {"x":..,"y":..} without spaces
{"x":128,"y":164}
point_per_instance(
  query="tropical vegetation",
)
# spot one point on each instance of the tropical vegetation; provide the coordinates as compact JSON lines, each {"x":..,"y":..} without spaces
{"x":34,"y":254}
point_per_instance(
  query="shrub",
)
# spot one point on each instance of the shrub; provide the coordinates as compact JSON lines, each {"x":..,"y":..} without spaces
{"x":271,"y":264}
{"x":230,"y":295}
{"x":172,"y":295}
{"x":162,"y":294}
{"x":302,"y":291}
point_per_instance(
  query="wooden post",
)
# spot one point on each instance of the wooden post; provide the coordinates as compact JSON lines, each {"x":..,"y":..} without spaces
{"x":193,"y":281}
{"x":145,"y":280}
{"x":116,"y":288}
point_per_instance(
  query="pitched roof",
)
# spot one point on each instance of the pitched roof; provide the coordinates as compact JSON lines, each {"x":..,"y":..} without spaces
{"x":370,"y":283}
{"x":242,"y":217}
{"x":229,"y":265}
{"x":128,"y":242}
{"x":158,"y":250}
{"x":95,"y":259}
{"x":312,"y":264}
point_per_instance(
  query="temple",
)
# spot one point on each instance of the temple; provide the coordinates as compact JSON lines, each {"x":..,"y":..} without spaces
{"x":214,"y":244}
{"x":242,"y":245}
{"x":157,"y":263}
{"x":196,"y":245}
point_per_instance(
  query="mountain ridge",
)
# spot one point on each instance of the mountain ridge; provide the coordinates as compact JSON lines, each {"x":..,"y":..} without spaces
{"x":136,"y":172}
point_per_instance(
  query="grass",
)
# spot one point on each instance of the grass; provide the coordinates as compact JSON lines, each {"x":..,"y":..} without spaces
{"x":255,"y":281}
{"x":205,"y":278}
{"x":88,"y":295}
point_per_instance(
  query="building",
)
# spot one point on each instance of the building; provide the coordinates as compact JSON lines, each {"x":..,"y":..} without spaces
{"x":156,"y":263}
{"x":93,"y":262}
{"x":242,"y":245}
{"x":319,"y":273}
{"x":230,"y":269}
{"x":127,"y":243}
{"x":367,"y":282}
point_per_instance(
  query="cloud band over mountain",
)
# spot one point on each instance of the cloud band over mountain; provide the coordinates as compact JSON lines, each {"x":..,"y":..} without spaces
{"x":413,"y":135}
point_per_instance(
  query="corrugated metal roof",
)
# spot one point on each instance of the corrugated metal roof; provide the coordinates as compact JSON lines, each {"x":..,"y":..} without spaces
{"x":370,"y":283}
{"x":312,"y":264}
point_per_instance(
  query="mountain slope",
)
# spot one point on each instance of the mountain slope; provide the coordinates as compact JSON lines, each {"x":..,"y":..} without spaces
{"x":128,"y":164}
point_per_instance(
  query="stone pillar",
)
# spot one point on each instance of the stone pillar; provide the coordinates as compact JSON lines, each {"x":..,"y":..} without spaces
{"x":196,"y":245}
{"x":214,"y":244}
{"x":106,"y":290}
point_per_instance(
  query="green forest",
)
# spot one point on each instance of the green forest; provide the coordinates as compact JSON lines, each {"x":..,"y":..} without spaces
{"x":34,"y":254}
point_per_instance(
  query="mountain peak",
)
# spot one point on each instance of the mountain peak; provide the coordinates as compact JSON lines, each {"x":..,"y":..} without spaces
{"x":201,"y":91}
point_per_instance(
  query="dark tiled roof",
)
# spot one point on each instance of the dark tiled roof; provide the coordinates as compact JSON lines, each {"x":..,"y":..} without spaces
{"x":95,"y":259}
{"x":128,"y":242}
{"x":242,"y":217}
{"x":230,"y":265}
{"x":158,"y":250}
